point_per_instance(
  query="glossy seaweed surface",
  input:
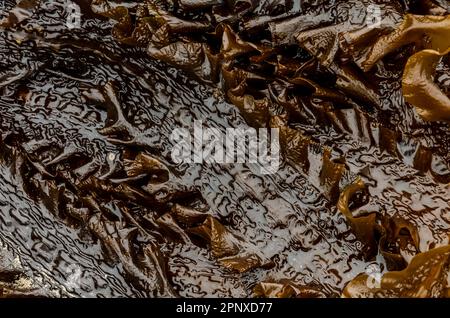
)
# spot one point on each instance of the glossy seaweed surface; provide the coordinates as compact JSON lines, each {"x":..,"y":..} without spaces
{"x":92,"y":203}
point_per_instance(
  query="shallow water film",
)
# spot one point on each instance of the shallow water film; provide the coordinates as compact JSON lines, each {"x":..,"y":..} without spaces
{"x":114,"y":176}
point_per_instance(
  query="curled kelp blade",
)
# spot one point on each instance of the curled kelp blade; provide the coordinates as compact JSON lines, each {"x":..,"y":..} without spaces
{"x":364,"y":226}
{"x":426,"y":276}
{"x":414,"y":29}
{"x":420,"y":90}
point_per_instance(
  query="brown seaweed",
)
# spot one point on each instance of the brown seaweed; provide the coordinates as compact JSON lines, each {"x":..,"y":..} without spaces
{"x":87,"y":177}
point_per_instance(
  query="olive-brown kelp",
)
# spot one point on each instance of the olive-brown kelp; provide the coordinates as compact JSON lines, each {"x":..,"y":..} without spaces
{"x":92,"y":205}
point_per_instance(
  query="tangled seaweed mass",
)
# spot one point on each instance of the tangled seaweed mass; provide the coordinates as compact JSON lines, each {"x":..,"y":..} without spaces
{"x":92,"y":204}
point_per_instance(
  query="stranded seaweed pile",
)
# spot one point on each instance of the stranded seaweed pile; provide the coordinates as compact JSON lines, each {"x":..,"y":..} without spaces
{"x":93,"y":204}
